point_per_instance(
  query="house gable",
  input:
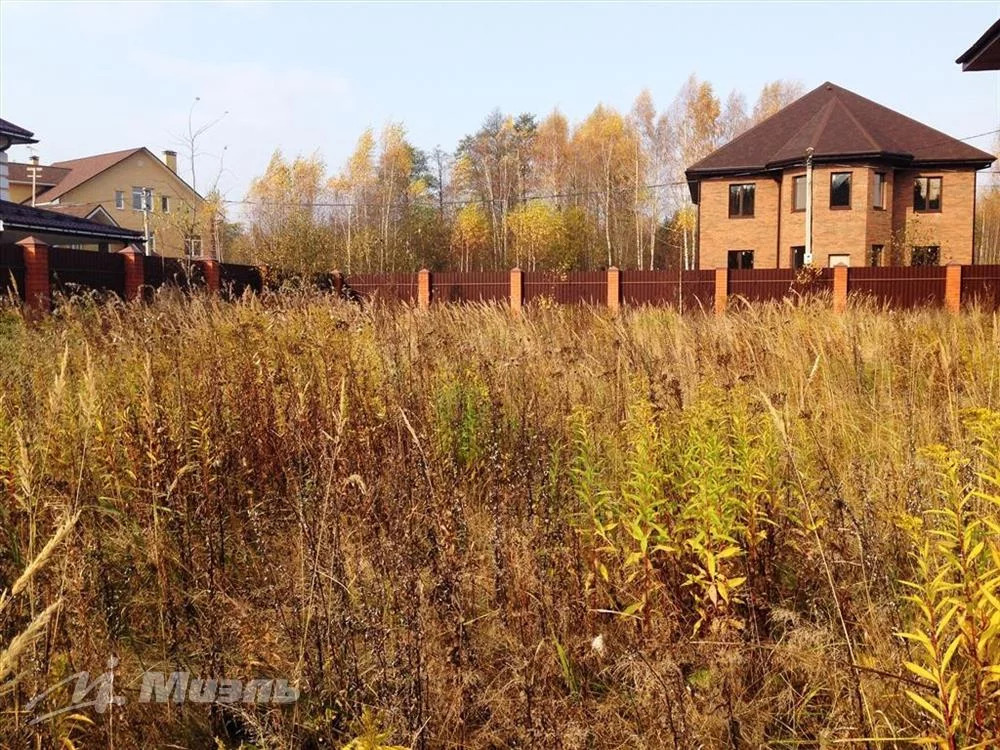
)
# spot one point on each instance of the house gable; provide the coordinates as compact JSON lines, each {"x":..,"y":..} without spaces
{"x":85,"y":170}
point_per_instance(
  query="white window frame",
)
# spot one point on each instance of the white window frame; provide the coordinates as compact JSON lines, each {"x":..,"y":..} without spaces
{"x":120,"y":200}
{"x":165,"y":204}
{"x":190,"y":244}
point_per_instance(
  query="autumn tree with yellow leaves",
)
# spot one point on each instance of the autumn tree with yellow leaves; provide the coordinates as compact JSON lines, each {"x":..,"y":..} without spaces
{"x":546,"y":194}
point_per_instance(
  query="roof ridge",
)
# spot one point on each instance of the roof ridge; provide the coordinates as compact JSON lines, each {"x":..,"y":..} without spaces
{"x":825,"y":112}
{"x":847,"y":110}
{"x":124,"y":152}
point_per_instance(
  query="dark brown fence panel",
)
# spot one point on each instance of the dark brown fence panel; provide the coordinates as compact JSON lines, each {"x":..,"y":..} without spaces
{"x":11,"y":271}
{"x":72,"y":271}
{"x":695,"y":289}
{"x":235,"y":279}
{"x":773,"y":284}
{"x":981,"y":285}
{"x":472,"y":286}
{"x":898,"y":286}
{"x":388,"y":287}
{"x":575,"y":287}
{"x":183,"y":274}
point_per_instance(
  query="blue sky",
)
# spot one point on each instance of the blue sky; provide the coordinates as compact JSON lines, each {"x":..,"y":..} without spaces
{"x":92,"y":77}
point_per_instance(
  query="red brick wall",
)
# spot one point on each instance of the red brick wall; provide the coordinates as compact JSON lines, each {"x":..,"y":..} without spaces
{"x":718,"y":234}
{"x":951,"y":228}
{"x":835,"y":230}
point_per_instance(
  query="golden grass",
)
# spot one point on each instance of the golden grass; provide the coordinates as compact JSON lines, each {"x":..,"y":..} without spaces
{"x":462,"y":528}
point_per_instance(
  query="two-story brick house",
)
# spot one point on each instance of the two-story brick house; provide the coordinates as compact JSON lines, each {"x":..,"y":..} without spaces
{"x":878,"y":188}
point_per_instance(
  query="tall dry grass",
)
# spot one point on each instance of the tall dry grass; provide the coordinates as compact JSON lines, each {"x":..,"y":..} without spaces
{"x":461,"y":528}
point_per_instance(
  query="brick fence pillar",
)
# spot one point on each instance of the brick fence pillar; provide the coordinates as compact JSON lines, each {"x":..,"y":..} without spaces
{"x":135,"y":271}
{"x":839,"y":289}
{"x":37,"y":290}
{"x":721,"y":290}
{"x":953,"y":287}
{"x":614,"y":289}
{"x":516,"y":289}
{"x":210,"y":269}
{"x":423,"y":289}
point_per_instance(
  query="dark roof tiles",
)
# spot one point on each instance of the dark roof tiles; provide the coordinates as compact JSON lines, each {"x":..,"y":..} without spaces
{"x":837,"y":124}
{"x":25,"y":218}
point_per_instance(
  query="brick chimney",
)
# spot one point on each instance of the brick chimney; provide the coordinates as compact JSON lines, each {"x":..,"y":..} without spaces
{"x":170,"y":159}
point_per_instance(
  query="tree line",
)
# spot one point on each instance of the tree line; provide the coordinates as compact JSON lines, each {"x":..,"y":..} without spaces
{"x":538,"y":193}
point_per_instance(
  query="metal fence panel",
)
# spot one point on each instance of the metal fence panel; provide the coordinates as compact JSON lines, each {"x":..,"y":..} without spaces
{"x":470,"y":286}
{"x":898,"y":286}
{"x":11,"y":271}
{"x":235,"y":279}
{"x":981,"y":285}
{"x":573,"y":287}
{"x":71,"y":271}
{"x":386,"y":287}
{"x":775,"y":284}
{"x":693,"y":290}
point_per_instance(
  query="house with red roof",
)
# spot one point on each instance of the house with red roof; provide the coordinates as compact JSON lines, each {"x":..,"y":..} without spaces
{"x":836,"y":179}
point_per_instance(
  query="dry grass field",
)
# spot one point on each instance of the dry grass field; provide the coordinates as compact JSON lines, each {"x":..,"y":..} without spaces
{"x":464,"y":529}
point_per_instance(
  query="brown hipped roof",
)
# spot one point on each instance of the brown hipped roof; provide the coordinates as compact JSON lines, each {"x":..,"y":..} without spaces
{"x":81,"y":170}
{"x":47,"y":176}
{"x":839,"y":125}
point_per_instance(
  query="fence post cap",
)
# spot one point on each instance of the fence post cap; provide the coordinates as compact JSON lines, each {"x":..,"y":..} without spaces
{"x":131,"y":250}
{"x":612,"y":268}
{"x":515,"y":268}
{"x":32,"y":241}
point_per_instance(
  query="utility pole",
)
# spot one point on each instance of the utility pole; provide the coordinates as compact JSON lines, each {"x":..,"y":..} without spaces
{"x":147,"y":199}
{"x":33,"y":170}
{"x":808,"y":259}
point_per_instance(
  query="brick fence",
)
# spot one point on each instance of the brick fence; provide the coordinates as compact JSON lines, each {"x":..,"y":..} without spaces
{"x":36,"y":272}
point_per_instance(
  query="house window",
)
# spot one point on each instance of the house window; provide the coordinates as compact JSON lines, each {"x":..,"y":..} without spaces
{"x":741,"y":200}
{"x":741,"y":259}
{"x":192,"y":246}
{"x":798,"y":256}
{"x":165,"y":204}
{"x":799,"y":193}
{"x":142,"y":198}
{"x":927,"y":194}
{"x":839,"y":259}
{"x":151,"y":245}
{"x":119,"y":199}
{"x":925,"y":255}
{"x":840,"y":190}
{"x":875,"y":255}
{"x":878,"y":191}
